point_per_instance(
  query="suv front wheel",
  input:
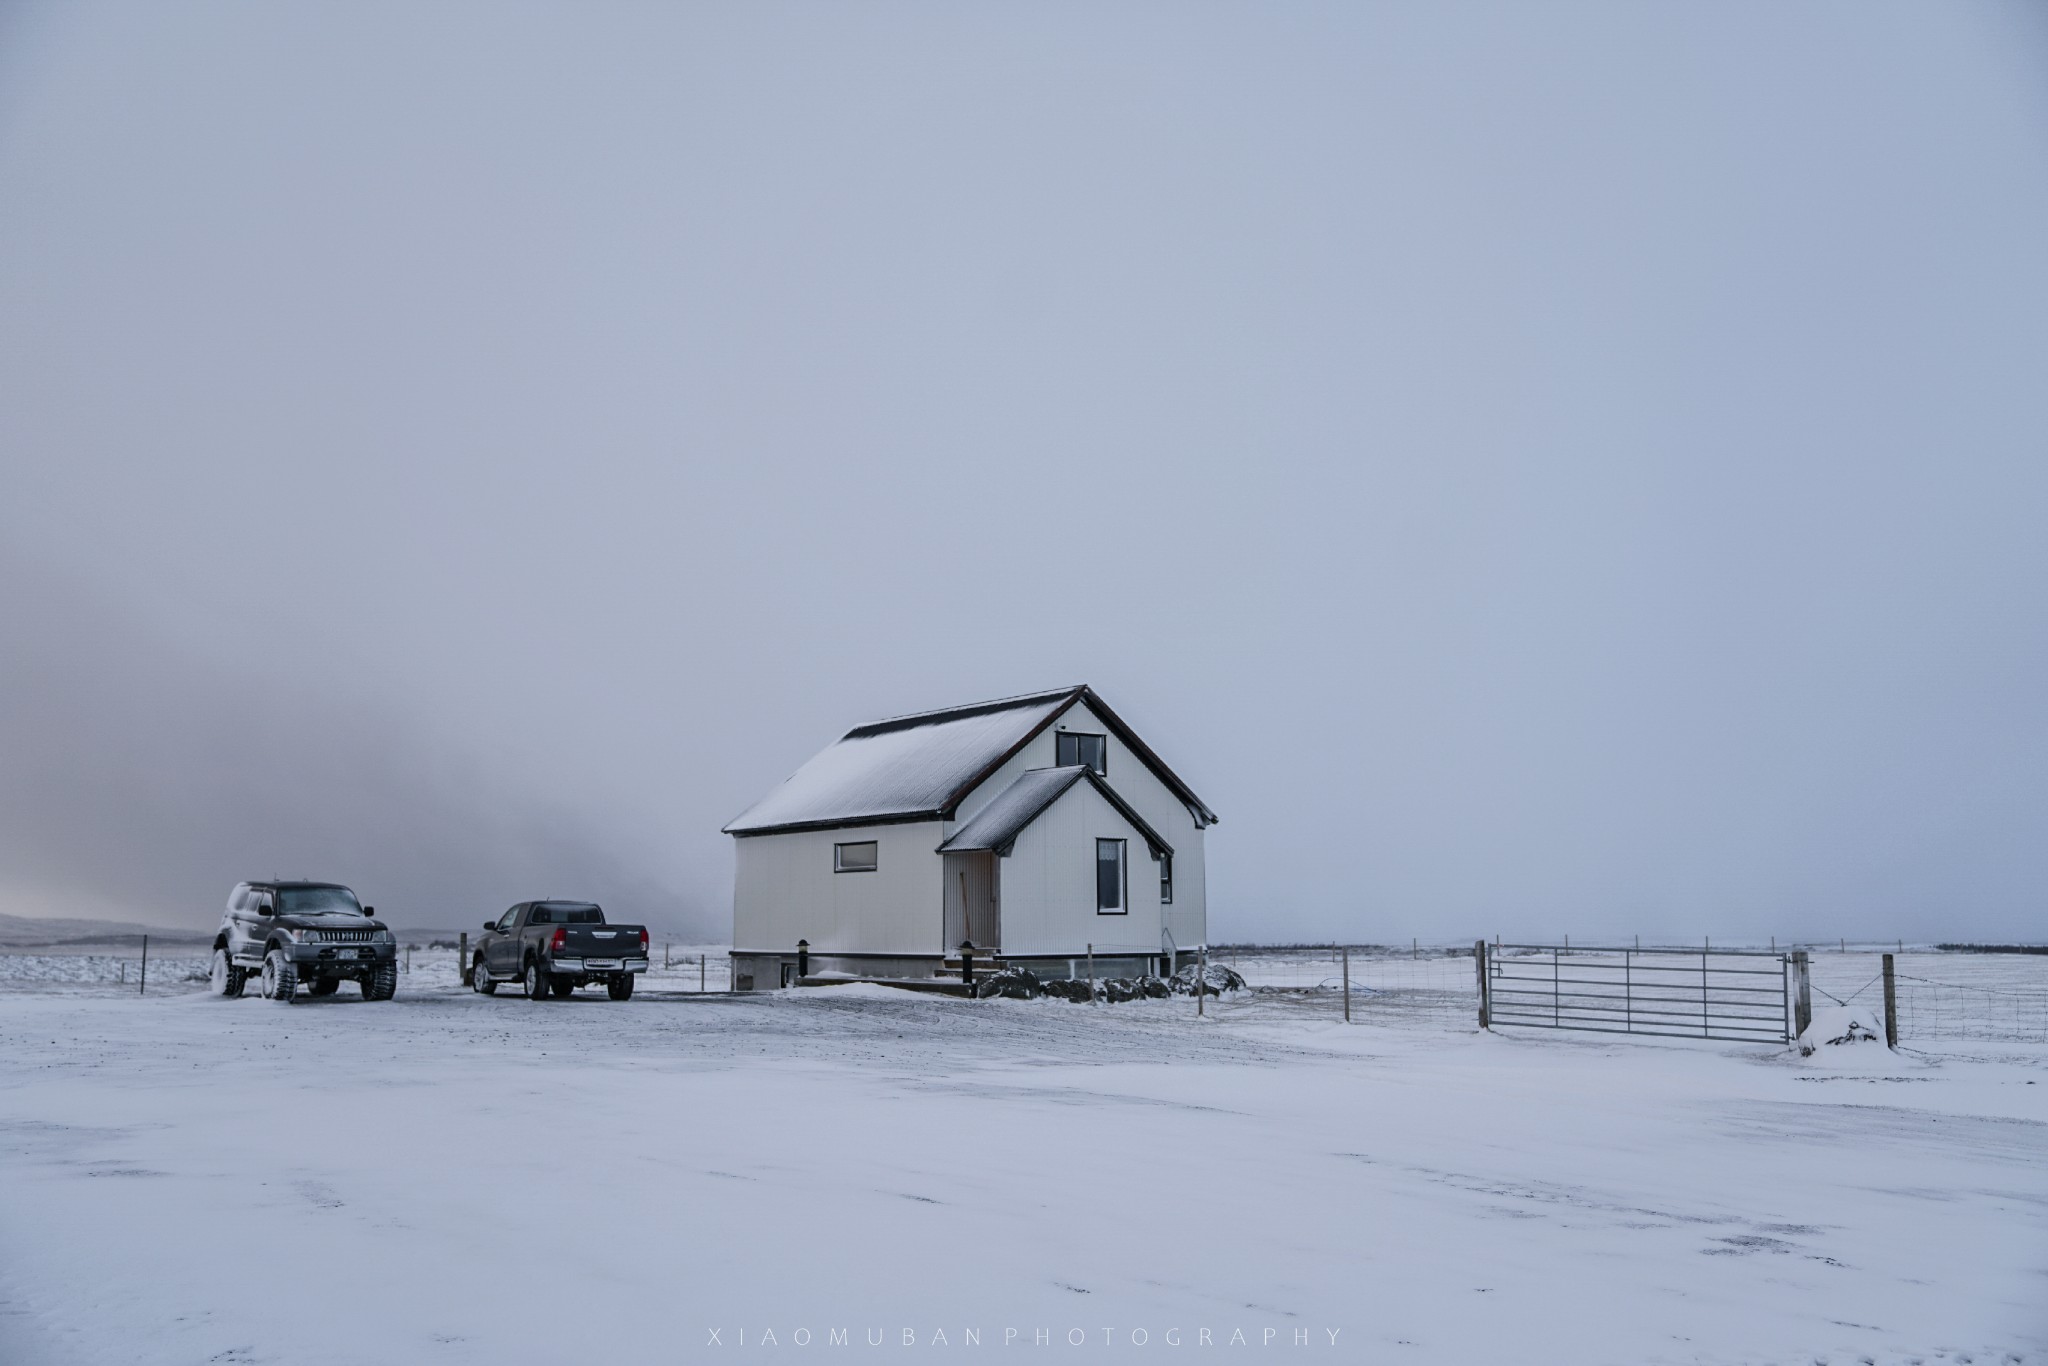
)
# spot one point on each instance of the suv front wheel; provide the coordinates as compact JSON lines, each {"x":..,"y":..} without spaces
{"x":382,"y":983}
{"x":226,"y":979}
{"x":480,"y":979}
{"x":280,"y":978}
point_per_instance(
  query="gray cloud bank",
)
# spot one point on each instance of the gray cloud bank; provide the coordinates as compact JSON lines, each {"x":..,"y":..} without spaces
{"x":142,"y":778}
{"x":1564,"y":469}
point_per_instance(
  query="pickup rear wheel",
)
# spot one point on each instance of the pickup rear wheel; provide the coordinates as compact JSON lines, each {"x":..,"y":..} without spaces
{"x":535,"y":981}
{"x":480,"y":978}
{"x":620,"y":986}
{"x":564,"y":987}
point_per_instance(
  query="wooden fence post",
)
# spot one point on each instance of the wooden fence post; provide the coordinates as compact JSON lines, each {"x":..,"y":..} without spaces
{"x":1201,"y":981}
{"x":1891,"y":1006}
{"x":143,"y":989}
{"x":1479,"y":965}
{"x":1802,"y":994}
{"x":1347,"y":984}
{"x":462,"y":958}
{"x":1091,"y":973}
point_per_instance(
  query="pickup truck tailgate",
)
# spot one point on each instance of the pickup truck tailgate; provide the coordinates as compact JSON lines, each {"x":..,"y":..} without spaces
{"x":600,"y":941}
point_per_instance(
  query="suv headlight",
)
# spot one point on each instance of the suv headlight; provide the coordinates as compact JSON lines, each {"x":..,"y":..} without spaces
{"x":304,"y":936}
{"x":382,"y":937}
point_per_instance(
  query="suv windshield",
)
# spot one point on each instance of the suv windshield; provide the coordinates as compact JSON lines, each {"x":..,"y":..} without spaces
{"x":317,"y":901}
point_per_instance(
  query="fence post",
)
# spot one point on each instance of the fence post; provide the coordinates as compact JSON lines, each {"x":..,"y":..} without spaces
{"x":143,"y":989}
{"x":1091,"y":973}
{"x":462,"y":958}
{"x":1479,"y":963}
{"x":700,"y":974}
{"x":1201,"y":979}
{"x":1891,"y":1006}
{"x":1347,"y":984}
{"x":1802,"y":994}
{"x":666,"y":964}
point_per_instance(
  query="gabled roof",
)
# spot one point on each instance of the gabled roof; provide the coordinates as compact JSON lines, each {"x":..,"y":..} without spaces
{"x":997,"y":825}
{"x":920,"y":767}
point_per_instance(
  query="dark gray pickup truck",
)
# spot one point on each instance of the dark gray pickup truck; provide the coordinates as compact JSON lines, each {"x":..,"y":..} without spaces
{"x":553,"y":947}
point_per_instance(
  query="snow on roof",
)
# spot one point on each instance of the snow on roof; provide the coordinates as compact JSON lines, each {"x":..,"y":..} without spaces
{"x":997,"y":825}
{"x":905,"y":768}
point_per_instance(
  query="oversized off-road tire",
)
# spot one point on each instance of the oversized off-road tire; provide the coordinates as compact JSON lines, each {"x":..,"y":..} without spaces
{"x":564,"y":987}
{"x":535,"y":982}
{"x":226,"y":979}
{"x":480,"y":979}
{"x":382,"y":983}
{"x":280,"y":977}
{"x":322,"y":986}
{"x":619,"y":986}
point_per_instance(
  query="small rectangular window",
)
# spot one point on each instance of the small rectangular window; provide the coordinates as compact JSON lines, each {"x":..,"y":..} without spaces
{"x":1085,"y":751}
{"x":1109,"y":877}
{"x":854,"y":858}
{"x":1166,"y":879}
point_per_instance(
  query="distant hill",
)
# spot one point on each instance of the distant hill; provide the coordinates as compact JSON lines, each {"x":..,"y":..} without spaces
{"x":26,"y":934}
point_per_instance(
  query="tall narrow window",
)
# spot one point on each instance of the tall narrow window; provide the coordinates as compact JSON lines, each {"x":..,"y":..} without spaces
{"x":1085,"y":751}
{"x":854,"y":858}
{"x":1166,"y":879}
{"x":1109,"y":877}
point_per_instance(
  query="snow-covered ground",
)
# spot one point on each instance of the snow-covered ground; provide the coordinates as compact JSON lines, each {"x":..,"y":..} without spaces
{"x":450,"y":1178}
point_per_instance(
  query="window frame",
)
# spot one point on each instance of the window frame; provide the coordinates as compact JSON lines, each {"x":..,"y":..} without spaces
{"x":1123,"y":869}
{"x":1166,"y":879}
{"x":839,"y":849}
{"x":1061,"y":738}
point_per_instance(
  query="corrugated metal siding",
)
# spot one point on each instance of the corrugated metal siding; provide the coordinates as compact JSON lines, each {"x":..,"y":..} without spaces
{"x":784,"y":890}
{"x":1187,"y":917}
{"x":1048,"y":882}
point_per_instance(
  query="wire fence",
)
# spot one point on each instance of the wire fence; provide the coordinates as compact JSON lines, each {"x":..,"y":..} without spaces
{"x":1954,"y":996}
{"x":1420,"y":985}
{"x":1941,"y":995}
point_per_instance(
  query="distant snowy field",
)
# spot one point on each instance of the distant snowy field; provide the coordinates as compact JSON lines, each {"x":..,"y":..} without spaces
{"x":450,"y":1178}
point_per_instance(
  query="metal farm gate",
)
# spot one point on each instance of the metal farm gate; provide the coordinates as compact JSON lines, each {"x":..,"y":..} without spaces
{"x":1685,"y":993}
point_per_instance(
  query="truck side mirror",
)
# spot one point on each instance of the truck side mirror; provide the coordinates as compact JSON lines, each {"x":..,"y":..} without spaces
{"x":264,"y":908}
{"x":490,"y":924}
{"x":369,"y":910}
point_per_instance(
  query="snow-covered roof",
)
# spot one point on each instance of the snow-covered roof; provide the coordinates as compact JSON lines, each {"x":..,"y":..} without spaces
{"x":920,"y":767}
{"x":997,"y":825}
{"x":906,"y":768}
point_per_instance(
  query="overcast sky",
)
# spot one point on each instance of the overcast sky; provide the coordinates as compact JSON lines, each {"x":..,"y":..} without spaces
{"x":1533,"y":469}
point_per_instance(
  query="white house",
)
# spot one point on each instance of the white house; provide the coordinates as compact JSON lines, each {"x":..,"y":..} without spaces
{"x":1031,"y":827}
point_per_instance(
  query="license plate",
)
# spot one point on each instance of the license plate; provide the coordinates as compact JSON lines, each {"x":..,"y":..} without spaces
{"x":344,"y":953}
{"x":600,"y":964}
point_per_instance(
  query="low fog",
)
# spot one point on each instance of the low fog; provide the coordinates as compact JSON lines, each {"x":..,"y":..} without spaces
{"x":1532,"y":472}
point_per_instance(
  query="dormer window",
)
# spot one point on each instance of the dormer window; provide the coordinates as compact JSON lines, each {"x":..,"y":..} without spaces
{"x":1086,"y":751}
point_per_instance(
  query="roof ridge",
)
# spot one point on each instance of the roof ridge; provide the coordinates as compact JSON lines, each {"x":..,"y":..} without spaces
{"x":942,"y":714}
